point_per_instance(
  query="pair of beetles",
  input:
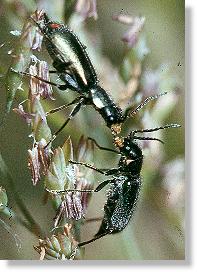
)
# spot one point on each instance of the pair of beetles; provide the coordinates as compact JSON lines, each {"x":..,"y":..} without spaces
{"x":74,"y":68}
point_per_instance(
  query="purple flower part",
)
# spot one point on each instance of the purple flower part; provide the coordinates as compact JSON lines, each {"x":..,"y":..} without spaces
{"x":39,"y":87}
{"x":132,"y":35}
{"x":70,"y":208}
{"x":83,"y":184}
{"x":38,"y":161}
{"x":150,"y":82}
{"x":44,"y":156}
{"x":34,"y":164}
{"x":74,"y":204}
{"x":34,"y":91}
{"x":38,"y":38}
{"x":25,"y":115}
{"x":28,"y":34}
{"x":75,"y":209}
{"x":123,"y":18}
{"x":43,"y":72}
{"x":86,"y":8}
{"x":37,"y":42}
{"x":38,"y":15}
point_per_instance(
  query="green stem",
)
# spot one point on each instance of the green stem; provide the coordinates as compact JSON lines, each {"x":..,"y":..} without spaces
{"x":32,"y":225}
{"x":14,"y":235}
{"x":11,"y":214}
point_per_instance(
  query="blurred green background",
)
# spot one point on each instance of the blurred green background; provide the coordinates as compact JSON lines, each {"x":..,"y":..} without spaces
{"x":156,"y":231}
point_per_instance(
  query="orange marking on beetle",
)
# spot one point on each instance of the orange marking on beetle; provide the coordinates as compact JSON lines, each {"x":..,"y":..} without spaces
{"x":116,"y":128}
{"x":119,"y":141}
{"x":54,"y":25}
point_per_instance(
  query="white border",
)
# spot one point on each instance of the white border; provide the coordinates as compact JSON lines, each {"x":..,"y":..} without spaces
{"x":191,"y":178}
